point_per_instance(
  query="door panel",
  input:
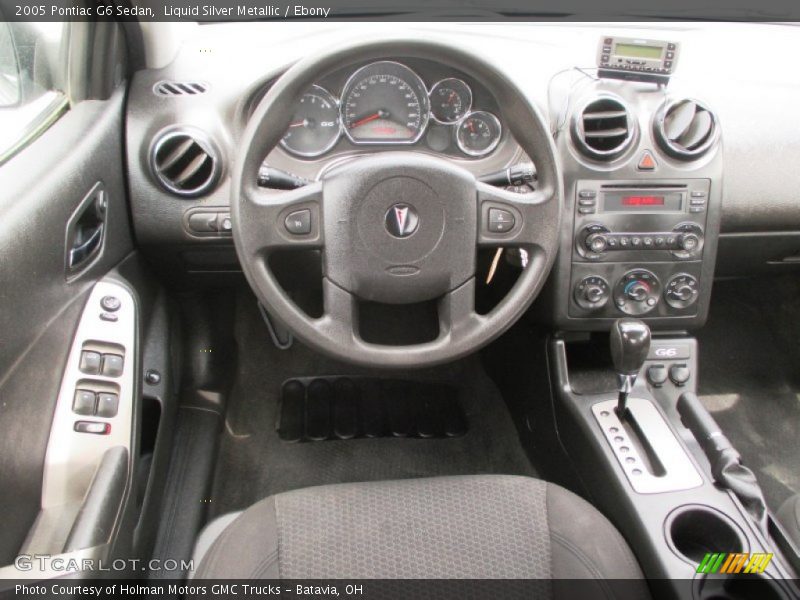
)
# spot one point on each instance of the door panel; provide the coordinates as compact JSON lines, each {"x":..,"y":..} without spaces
{"x":41,"y":299}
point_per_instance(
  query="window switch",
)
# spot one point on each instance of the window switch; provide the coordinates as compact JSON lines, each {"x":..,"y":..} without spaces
{"x":112,"y":365}
{"x":90,"y":362}
{"x":84,"y":402}
{"x":95,"y":427}
{"x":107,"y":405}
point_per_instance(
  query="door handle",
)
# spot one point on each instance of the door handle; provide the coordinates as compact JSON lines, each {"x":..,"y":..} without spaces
{"x":84,"y":249}
{"x":86,"y":230}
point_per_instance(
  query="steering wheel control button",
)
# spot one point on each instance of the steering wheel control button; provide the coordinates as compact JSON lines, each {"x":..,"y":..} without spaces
{"x":112,"y":365}
{"x":107,"y":405}
{"x":84,"y":402}
{"x":95,"y":427}
{"x":592,"y":293}
{"x":657,"y":375}
{"x":298,"y":222}
{"x":110,"y":303}
{"x":110,"y":317}
{"x":681,"y":291}
{"x":637,"y":292}
{"x":679,"y":374}
{"x":90,"y":362}
{"x":501,"y":220}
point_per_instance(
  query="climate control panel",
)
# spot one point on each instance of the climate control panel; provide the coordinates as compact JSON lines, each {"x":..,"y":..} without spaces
{"x":616,"y":290}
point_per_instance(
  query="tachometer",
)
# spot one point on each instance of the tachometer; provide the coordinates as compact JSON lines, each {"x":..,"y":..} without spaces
{"x":315,"y":127}
{"x":479,"y":133}
{"x":451,"y":99}
{"x":385,"y":102}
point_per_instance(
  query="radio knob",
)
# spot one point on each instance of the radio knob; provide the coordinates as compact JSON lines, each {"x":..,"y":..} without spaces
{"x":689,"y":242}
{"x":597,"y":243}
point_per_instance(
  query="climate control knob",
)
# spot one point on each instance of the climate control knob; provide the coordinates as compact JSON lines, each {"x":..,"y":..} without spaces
{"x":592,"y":292}
{"x":681,"y":291}
{"x":637,"y":292}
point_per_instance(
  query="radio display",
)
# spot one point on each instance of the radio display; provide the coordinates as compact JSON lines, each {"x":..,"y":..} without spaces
{"x":643,"y":201}
{"x":638,"y":51}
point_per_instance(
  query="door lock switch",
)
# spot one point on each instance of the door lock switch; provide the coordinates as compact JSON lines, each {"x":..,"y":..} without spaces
{"x":94,"y":427}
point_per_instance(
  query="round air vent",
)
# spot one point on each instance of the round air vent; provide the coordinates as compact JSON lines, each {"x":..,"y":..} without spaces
{"x":685,"y":129}
{"x":185,"y":162}
{"x":604,"y":129}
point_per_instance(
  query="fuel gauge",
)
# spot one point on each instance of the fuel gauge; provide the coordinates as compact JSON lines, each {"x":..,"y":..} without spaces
{"x":479,"y":133}
{"x":451,"y":99}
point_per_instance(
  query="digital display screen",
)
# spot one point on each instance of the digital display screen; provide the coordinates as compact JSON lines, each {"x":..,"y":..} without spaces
{"x":638,"y":51}
{"x":643,"y":201}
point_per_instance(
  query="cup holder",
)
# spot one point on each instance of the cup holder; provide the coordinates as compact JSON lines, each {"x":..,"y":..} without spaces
{"x":693,"y":531}
{"x":738,"y":587}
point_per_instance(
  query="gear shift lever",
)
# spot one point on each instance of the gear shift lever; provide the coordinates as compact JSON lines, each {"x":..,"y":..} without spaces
{"x":630,"y":343}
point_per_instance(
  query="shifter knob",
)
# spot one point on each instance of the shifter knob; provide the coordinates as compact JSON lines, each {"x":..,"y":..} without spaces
{"x":630,"y":343}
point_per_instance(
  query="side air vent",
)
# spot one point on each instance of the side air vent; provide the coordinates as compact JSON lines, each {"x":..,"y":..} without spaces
{"x":604,"y":129}
{"x":185,"y":162}
{"x":685,"y":129}
{"x":180,"y":88}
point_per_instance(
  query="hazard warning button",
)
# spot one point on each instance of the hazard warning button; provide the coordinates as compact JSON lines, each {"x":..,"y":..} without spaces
{"x":646,"y":162}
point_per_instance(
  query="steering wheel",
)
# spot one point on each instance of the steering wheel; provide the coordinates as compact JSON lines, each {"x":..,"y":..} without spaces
{"x":395,"y":227}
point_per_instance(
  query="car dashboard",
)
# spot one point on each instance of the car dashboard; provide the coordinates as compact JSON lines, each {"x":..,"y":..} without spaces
{"x":667,"y":183}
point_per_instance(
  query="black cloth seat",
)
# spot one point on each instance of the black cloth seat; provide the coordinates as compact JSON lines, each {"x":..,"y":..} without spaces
{"x":484,"y":526}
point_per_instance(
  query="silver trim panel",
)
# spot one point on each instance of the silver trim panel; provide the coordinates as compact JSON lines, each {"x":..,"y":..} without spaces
{"x":73,"y":457}
{"x":681,"y":473}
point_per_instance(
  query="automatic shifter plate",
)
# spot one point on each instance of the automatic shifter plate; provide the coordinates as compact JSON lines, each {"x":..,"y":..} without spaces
{"x":676,"y":470}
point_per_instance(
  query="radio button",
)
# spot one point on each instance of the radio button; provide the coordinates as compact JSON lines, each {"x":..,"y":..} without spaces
{"x":648,"y":242}
{"x":587,"y":194}
{"x":636,"y":241}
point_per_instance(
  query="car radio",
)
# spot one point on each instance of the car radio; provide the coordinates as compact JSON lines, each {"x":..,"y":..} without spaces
{"x":649,"y":240}
{"x":636,"y":59}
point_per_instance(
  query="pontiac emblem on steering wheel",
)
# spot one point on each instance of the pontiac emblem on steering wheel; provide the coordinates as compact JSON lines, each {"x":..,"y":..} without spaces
{"x":401,"y":220}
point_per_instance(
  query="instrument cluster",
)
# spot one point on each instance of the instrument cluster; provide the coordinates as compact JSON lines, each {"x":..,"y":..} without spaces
{"x":388,"y":103}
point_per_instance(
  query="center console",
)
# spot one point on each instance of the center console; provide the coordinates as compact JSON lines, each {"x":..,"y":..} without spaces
{"x":643,"y":175}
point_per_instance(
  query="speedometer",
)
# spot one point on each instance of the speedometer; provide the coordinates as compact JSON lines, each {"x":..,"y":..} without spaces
{"x":385,"y":102}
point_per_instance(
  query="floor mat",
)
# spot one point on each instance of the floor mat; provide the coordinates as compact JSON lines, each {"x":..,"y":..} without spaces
{"x":254,"y":462}
{"x":749,"y":378}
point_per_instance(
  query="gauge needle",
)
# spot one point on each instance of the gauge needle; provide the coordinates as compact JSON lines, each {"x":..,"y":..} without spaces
{"x":381,"y":114}
{"x":298,"y":124}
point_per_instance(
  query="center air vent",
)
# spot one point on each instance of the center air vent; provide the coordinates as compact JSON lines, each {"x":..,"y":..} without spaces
{"x":685,"y":129}
{"x":603,"y":130}
{"x":184,"y":162}
{"x":180,"y":88}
